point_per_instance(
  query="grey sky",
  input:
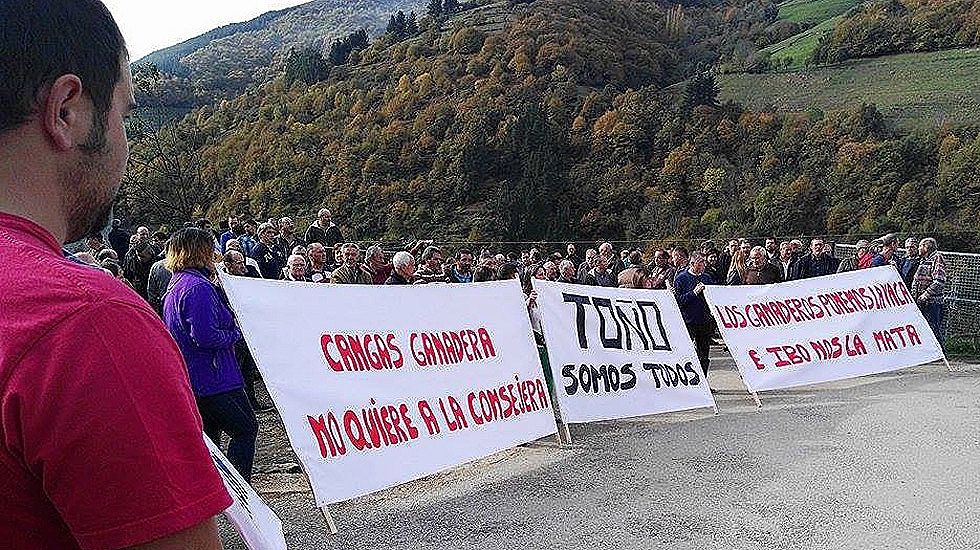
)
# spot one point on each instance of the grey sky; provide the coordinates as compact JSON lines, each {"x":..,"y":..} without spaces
{"x":150,"y":26}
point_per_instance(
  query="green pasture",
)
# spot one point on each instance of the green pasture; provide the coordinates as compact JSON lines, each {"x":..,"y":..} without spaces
{"x":918,"y":90}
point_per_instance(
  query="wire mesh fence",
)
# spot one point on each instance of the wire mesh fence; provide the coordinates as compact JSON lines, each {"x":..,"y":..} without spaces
{"x":962,"y":296}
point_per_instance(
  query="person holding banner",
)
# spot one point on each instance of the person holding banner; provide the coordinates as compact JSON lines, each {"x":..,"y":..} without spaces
{"x":689,"y":291}
{"x":197,"y":314}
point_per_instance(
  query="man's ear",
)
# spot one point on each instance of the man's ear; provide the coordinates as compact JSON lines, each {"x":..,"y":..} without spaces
{"x":65,"y":112}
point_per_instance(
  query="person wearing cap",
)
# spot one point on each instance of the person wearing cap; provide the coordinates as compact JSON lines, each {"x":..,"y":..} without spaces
{"x":886,"y":255}
{"x":860,"y":260}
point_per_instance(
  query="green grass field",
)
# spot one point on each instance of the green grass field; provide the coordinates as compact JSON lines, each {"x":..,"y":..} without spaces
{"x":813,"y":12}
{"x":793,"y":52}
{"x":819,"y":15}
{"x":917,"y":90}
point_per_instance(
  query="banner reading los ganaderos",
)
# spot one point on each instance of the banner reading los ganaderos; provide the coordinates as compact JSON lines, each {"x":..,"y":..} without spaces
{"x":822,"y":329}
{"x":379,"y":385}
{"x":618,"y":353}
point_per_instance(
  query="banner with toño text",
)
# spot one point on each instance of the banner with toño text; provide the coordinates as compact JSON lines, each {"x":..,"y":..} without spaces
{"x":822,"y":329}
{"x":617,"y":353}
{"x":379,"y":385}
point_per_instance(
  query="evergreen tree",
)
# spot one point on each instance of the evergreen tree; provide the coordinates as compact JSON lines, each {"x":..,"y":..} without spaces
{"x":412,"y":25}
{"x":397,"y":25}
{"x":341,"y":49}
{"x":359,"y":40}
{"x":307,"y":65}
{"x":434,"y":8}
{"x":339,"y":52}
{"x":702,"y":89}
{"x":450,"y":6}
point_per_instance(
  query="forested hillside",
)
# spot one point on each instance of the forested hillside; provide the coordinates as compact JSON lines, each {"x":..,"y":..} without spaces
{"x":902,"y":26}
{"x":224,"y":61}
{"x":551,"y":123}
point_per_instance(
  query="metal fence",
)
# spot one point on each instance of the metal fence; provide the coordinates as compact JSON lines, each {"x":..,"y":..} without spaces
{"x":962,"y":292}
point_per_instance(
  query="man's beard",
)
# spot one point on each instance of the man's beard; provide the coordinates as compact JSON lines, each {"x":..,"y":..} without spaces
{"x":89,"y":201}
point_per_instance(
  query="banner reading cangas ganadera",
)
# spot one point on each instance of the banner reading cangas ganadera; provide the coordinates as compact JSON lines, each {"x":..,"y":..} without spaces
{"x":379,"y":385}
{"x":822,"y":329}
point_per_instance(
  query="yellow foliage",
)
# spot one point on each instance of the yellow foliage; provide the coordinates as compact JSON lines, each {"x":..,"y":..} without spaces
{"x":605,"y":124}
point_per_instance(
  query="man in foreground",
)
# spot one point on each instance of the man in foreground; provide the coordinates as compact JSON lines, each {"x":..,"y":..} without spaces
{"x":100,"y":439}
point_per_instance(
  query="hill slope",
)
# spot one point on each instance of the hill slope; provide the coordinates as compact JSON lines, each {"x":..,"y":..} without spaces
{"x":817,"y":18}
{"x":554,"y":127}
{"x":914,"y":90}
{"x":224,"y":61}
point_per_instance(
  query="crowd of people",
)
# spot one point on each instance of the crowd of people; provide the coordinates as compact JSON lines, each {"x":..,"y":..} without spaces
{"x":103,"y":405}
{"x":274,"y":250}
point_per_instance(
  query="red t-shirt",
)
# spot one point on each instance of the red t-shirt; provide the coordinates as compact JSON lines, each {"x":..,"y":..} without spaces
{"x":100,"y":438}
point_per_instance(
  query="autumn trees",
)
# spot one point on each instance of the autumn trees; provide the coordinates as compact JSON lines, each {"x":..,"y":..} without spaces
{"x":528,"y":134}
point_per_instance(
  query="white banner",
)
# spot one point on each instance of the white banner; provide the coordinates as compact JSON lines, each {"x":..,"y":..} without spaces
{"x":822,"y":329}
{"x":258,"y":525}
{"x":617,"y":353}
{"x":379,"y":385}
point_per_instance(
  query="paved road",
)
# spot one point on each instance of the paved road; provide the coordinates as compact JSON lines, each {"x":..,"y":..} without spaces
{"x":889,"y":461}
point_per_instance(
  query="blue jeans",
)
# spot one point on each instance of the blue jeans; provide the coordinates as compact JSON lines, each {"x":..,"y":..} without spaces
{"x":933,"y":312}
{"x":231,"y":413}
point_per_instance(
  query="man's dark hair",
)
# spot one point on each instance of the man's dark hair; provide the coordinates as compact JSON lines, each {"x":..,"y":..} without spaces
{"x":111,"y":266}
{"x":507,"y":271}
{"x":464,"y":251}
{"x":681,"y":250}
{"x":483,"y":274}
{"x":42,"y":40}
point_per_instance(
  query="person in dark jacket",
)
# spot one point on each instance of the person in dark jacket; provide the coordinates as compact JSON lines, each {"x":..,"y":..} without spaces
{"x":234,"y":264}
{"x":689,"y":291}
{"x":601,"y":274}
{"x":324,"y":231}
{"x":119,"y":239}
{"x":786,"y":263}
{"x":156,"y":285}
{"x":910,"y":263}
{"x":817,"y":263}
{"x":462,"y":272}
{"x":736,"y":271}
{"x":886,"y":253}
{"x":199,"y":318}
{"x":403,"y":272}
{"x":270,"y":257}
{"x":142,"y":254}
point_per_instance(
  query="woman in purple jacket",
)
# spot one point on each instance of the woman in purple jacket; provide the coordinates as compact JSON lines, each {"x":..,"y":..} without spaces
{"x":197,"y":314}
